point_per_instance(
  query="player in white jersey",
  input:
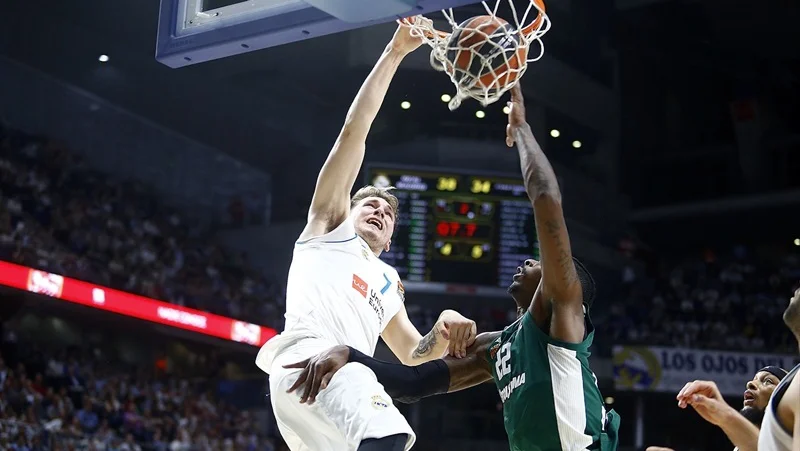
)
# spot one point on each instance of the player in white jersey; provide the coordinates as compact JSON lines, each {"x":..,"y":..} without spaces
{"x":780,"y":428}
{"x":781,"y":425}
{"x":755,"y":400}
{"x":340,"y":293}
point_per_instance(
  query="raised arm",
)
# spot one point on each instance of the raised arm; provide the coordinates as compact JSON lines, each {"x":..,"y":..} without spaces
{"x":331,"y":202}
{"x":452,"y":332}
{"x":560,"y":288}
{"x":403,"y":383}
{"x":706,"y":399}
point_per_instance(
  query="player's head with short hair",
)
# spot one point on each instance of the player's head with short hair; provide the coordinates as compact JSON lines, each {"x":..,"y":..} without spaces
{"x":374,"y":213}
{"x":758,"y":392}
{"x":792,"y":315}
{"x":529,"y":276}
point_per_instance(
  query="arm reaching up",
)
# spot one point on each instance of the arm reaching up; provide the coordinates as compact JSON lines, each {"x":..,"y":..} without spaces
{"x":331,"y":202}
{"x":560,"y":288}
{"x":706,"y":399}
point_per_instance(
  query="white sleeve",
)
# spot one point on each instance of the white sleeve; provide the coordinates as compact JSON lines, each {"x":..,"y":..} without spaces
{"x":345,"y":231}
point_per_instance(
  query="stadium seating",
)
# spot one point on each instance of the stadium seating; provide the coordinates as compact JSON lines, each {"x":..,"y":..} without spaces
{"x":60,"y":216}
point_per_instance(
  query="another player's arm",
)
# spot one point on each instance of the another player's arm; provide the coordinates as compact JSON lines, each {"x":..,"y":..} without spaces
{"x":331,"y":202}
{"x":561,"y":288}
{"x":403,"y":383}
{"x":740,"y":431}
{"x":707,"y":401}
{"x":452,"y":332}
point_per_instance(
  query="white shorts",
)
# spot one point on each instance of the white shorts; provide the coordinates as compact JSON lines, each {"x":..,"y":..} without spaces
{"x":352,"y":408}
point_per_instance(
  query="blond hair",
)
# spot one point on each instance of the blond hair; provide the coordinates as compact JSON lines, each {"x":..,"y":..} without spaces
{"x":374,"y":191}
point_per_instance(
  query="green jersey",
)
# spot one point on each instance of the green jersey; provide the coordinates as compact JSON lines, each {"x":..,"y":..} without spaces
{"x":551,"y":401}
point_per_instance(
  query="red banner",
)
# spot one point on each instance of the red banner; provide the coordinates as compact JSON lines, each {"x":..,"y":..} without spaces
{"x":96,"y":296}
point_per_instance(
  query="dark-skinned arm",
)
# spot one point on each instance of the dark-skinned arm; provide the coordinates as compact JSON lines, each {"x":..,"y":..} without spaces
{"x":403,"y":383}
{"x":561,"y":288}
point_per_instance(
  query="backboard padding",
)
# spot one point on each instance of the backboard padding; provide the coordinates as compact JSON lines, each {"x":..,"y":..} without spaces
{"x":180,"y":44}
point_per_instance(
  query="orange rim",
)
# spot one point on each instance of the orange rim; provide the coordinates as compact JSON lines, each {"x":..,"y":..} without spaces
{"x":527,"y":31}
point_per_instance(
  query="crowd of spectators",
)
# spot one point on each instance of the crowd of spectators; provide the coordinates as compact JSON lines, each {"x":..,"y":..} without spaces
{"x":83,"y":399}
{"x":732,"y":301}
{"x":58,"y":215}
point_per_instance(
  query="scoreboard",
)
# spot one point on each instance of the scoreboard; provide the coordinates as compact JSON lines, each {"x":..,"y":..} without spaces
{"x":457,"y":231}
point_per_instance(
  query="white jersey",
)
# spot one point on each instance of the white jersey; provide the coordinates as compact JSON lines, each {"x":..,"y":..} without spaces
{"x":338,"y":292}
{"x":773,"y":436}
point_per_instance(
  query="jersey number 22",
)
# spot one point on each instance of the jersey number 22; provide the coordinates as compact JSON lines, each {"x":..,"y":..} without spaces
{"x":502,"y":365}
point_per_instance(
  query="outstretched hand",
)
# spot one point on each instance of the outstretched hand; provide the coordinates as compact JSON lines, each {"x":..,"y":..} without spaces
{"x":403,"y":41}
{"x":516,"y":117}
{"x":318,"y":371}
{"x":705,"y":388}
{"x":707,"y":401}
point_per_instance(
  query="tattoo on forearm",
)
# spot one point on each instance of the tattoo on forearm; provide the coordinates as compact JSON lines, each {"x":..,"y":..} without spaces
{"x":427,"y":344}
{"x":536,"y":169}
{"x":539,"y":182}
{"x":564,"y":258}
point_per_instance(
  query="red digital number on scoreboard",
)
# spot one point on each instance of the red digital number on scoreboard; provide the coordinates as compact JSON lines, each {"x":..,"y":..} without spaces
{"x":455,"y":229}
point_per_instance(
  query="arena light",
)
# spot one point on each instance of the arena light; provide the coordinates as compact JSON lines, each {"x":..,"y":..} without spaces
{"x":576,"y":144}
{"x":797,"y":241}
{"x":140,"y":307}
{"x":609,"y":400}
{"x":446,"y":98}
{"x":405,"y":104}
{"x":555,"y":133}
{"x":103,"y":58}
{"x":480,"y":114}
{"x":506,"y":109}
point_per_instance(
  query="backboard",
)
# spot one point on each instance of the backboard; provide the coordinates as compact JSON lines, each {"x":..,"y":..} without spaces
{"x":194,"y":31}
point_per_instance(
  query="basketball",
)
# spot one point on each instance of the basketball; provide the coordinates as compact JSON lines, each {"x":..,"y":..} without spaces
{"x":484,"y":54}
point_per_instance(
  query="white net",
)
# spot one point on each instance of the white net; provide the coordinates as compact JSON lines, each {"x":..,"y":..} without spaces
{"x":485,"y":55}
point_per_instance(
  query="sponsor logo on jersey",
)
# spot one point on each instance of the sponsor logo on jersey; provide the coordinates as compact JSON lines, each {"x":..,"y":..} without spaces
{"x":376,"y":304}
{"x":401,"y":291}
{"x":378,"y":403}
{"x":388,"y":284}
{"x":516,"y":381}
{"x":493,"y":350}
{"x":359,"y":285}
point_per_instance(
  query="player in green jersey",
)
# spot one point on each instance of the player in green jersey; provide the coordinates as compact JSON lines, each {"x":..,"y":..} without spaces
{"x":540,"y":363}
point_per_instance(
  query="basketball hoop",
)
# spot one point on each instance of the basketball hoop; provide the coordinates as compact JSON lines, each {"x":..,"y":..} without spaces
{"x":485,"y":55}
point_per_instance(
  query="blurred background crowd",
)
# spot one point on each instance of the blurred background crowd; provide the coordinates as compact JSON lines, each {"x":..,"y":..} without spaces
{"x":677,"y":154}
